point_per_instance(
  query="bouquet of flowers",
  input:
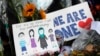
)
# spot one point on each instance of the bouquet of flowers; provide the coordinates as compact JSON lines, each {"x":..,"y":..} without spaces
{"x":27,"y":10}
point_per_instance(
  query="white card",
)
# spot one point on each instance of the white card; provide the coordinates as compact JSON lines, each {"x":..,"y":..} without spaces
{"x":35,"y":37}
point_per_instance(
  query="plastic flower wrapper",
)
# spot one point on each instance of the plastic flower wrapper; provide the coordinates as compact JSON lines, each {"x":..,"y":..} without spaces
{"x":42,"y":4}
{"x":3,"y":15}
{"x":2,"y":12}
{"x":67,"y":3}
{"x":59,"y":38}
{"x":82,"y":0}
{"x":65,"y":51}
{"x":28,"y":10}
{"x":0,"y":7}
{"x":86,"y":38}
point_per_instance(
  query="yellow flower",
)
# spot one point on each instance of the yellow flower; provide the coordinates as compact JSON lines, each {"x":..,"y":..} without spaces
{"x":43,"y":14}
{"x":28,"y":10}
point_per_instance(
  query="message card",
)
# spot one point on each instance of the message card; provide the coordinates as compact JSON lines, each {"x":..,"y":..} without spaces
{"x":34,"y":37}
{"x":70,"y":22}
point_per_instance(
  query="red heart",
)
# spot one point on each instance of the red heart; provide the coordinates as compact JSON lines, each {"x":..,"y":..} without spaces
{"x":85,"y":25}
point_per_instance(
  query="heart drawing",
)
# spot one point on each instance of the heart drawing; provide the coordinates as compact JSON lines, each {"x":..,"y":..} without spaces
{"x":86,"y":24}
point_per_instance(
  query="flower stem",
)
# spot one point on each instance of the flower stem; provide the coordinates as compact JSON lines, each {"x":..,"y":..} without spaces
{"x":19,"y":19}
{"x":32,"y":18}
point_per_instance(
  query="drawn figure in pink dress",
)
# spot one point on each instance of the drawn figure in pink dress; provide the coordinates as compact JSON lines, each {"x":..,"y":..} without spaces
{"x":31,"y":34}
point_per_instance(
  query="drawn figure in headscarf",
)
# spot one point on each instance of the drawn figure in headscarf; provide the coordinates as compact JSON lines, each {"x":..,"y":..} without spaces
{"x":31,"y":34}
{"x":42,"y":38}
{"x":22,"y":43}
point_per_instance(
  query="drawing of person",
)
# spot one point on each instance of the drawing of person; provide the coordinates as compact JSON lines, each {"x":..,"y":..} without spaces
{"x":51,"y":36}
{"x":31,"y":34}
{"x":22,"y":43}
{"x":42,"y":38}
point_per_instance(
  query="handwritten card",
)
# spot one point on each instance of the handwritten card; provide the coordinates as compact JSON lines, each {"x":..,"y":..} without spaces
{"x":35,"y":37}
